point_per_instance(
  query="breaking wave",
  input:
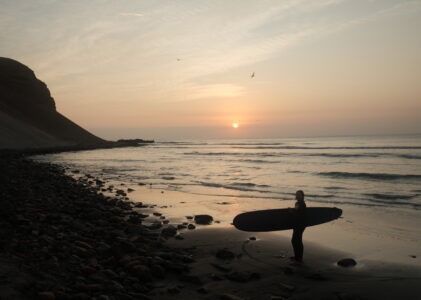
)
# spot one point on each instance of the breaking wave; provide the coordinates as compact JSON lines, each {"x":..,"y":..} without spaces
{"x":371,"y":176}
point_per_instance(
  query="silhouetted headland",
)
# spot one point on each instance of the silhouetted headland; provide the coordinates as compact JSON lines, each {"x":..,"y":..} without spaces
{"x":30,"y":122}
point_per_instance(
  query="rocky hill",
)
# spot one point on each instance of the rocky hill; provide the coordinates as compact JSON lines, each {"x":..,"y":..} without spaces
{"x":28,"y":115}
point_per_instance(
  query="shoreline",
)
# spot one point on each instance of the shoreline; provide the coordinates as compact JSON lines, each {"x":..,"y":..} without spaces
{"x":64,"y":240}
{"x":77,"y":147}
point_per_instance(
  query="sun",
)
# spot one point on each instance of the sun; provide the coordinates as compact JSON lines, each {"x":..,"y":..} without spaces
{"x":234,"y":125}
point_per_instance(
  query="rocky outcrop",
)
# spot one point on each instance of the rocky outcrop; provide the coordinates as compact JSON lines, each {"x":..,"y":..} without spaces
{"x":28,"y":115}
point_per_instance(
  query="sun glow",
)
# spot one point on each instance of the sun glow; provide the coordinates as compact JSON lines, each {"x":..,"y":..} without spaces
{"x":234,"y":125}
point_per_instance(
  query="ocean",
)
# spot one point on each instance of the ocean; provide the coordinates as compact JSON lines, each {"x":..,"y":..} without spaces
{"x":375,"y":180}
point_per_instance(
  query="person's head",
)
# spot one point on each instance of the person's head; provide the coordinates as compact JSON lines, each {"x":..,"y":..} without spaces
{"x":299,"y":195}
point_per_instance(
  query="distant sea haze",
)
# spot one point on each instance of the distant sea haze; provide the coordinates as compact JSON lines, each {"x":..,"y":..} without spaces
{"x":360,"y":171}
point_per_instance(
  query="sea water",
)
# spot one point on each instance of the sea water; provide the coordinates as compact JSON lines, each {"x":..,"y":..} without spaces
{"x":375,"y":180}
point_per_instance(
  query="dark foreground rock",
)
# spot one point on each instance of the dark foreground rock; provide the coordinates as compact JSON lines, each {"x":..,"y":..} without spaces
{"x":203,"y":219}
{"x":72,"y":242}
{"x":347,"y":262}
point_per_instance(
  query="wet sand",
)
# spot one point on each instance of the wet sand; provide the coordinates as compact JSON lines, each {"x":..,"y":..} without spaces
{"x":367,"y":234}
{"x":261,"y":269}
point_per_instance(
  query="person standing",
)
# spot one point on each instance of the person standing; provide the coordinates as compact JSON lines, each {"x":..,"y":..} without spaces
{"x":299,"y":213}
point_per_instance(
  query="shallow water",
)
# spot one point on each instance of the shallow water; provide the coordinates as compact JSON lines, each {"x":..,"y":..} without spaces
{"x":368,"y":177}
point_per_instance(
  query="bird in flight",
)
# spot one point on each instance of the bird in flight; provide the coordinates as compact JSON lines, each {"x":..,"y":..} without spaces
{"x":252,"y":75}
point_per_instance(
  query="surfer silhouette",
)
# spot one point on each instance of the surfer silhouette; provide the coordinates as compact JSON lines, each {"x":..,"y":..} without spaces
{"x":299,"y":213}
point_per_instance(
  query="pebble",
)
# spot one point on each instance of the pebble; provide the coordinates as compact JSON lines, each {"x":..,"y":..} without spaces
{"x":230,"y":297}
{"x":169,"y":231}
{"x":287,"y":287}
{"x":202,"y":290}
{"x":203,"y":219}
{"x":46,"y":296}
{"x":347,"y":262}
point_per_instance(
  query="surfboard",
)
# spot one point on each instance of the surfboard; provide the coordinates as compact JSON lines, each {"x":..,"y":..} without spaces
{"x":283,"y":219}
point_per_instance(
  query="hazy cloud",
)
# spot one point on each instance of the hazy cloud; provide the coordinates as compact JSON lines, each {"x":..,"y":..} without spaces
{"x":131,"y":14}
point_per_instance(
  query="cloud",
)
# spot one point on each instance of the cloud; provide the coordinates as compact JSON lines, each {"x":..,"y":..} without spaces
{"x":131,"y":14}
{"x":225,"y":90}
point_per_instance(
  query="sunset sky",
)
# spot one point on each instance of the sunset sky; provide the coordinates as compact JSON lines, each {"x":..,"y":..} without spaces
{"x":182,"y":68}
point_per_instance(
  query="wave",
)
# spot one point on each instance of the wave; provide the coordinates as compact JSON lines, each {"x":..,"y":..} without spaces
{"x":343,"y":155}
{"x":277,"y":154}
{"x":372,"y":203}
{"x":347,"y":155}
{"x":182,"y":143}
{"x":372,"y":176}
{"x":248,"y":144}
{"x":409,"y":156}
{"x":244,"y":184}
{"x":390,"y":197}
{"x":246,"y":187}
{"x":337,"y":147}
{"x":230,"y":153}
{"x":257,"y":161}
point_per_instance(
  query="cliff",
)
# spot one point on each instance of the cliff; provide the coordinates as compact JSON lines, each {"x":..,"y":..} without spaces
{"x":28,"y":115}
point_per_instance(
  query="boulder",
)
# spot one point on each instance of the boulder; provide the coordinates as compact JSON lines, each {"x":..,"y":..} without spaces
{"x":203,"y":219}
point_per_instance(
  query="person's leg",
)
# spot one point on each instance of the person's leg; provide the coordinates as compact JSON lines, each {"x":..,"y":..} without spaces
{"x":299,"y":244}
{"x":295,"y":242}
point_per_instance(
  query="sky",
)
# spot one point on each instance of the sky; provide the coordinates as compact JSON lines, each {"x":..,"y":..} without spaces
{"x":182,"y":68}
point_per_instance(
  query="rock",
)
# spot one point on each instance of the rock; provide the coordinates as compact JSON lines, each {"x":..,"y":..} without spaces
{"x":189,"y":217}
{"x":157,"y":214}
{"x":252,"y":238}
{"x":191,"y":227}
{"x":221,"y":267}
{"x":142,"y":272}
{"x":413,"y":256}
{"x":158,"y":271}
{"x":46,"y":296}
{"x":238,"y":276}
{"x":169,"y":231}
{"x":277,"y":297}
{"x":191,"y":279}
{"x":181,"y":226}
{"x":225,"y":254}
{"x":216,"y":277}
{"x":230,"y":297}
{"x":202,"y":290}
{"x":203,"y":219}
{"x":347,"y":262}
{"x":155,"y":225}
{"x":287,"y":287}
{"x":173,"y":290}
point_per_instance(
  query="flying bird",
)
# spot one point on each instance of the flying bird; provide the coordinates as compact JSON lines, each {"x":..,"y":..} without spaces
{"x":252,"y":75}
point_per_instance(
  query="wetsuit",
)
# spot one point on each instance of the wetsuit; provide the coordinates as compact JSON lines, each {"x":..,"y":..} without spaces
{"x":300,"y":225}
